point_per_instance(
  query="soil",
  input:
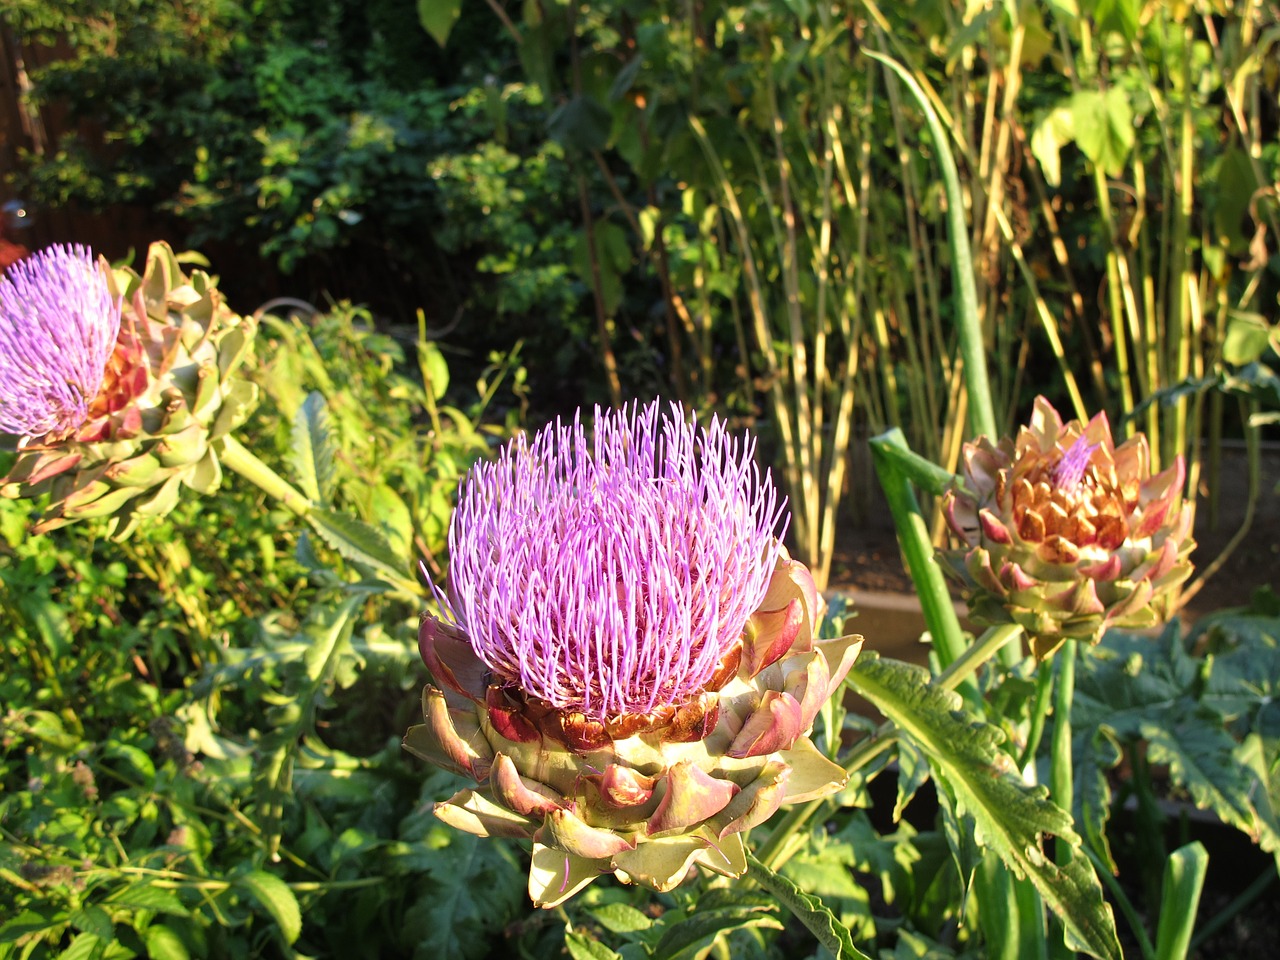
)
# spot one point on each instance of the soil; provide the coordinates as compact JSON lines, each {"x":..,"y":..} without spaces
{"x":867,"y":559}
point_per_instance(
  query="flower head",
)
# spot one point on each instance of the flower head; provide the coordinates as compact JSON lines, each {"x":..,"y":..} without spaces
{"x":1066,"y":533}
{"x":58,"y":326}
{"x":121,"y":386}
{"x":611,"y":577}
{"x":633,"y":665}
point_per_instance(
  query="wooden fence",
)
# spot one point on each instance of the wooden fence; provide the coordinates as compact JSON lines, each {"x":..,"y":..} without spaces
{"x":38,"y":131}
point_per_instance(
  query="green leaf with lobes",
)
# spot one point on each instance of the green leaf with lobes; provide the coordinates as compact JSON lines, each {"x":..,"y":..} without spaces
{"x":1009,"y":817}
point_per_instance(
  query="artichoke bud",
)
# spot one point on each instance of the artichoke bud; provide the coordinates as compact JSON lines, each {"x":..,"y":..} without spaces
{"x":1066,"y":534}
{"x":642,"y":737}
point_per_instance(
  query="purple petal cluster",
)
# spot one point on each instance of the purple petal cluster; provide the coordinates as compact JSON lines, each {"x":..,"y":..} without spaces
{"x":610,"y":576}
{"x":58,"y":328}
{"x":1069,"y":471}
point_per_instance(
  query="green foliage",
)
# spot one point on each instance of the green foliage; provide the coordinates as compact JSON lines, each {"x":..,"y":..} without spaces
{"x":989,"y":804}
{"x":200,"y":750}
{"x":1205,"y":718}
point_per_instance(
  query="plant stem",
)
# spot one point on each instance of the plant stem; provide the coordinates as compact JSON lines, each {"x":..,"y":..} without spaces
{"x":236,"y":457}
{"x":1061,"y":781}
{"x":982,"y":419}
{"x":913,"y":535}
{"x":1180,"y":898}
{"x":1040,"y":707}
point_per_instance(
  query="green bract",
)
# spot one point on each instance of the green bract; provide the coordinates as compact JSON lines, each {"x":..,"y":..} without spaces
{"x":170,"y":392}
{"x":1066,"y":534}
{"x":642,"y":796}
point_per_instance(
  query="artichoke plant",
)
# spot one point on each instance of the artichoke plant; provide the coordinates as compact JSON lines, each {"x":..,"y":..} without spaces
{"x":115,"y":387}
{"x":1066,"y":534}
{"x":628,"y":665}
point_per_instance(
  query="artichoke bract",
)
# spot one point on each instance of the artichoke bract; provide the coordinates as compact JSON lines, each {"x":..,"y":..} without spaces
{"x":1066,"y":534}
{"x":141,"y":417}
{"x":628,"y":665}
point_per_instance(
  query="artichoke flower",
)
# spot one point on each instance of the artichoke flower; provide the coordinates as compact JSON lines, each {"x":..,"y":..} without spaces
{"x":1066,"y":534}
{"x":117,"y":387}
{"x":628,"y":665}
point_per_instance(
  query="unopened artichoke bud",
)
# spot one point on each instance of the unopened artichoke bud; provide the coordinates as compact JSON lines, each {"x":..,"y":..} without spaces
{"x":116,"y":387}
{"x":1066,"y":534}
{"x":628,"y":665}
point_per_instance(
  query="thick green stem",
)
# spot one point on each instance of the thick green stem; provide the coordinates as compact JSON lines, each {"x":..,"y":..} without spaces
{"x":1039,"y":709}
{"x":913,"y":535}
{"x":1061,"y":780}
{"x":235,"y":457}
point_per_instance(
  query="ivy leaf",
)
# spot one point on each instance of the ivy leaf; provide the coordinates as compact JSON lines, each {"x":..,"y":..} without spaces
{"x":1009,"y":817}
{"x":312,"y":454}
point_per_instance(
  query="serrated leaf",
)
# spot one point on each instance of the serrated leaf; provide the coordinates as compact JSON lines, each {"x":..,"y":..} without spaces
{"x":1010,"y":818}
{"x":312,"y":452}
{"x":143,"y":896}
{"x":913,"y":773}
{"x":809,"y":910}
{"x":474,"y":888}
{"x":164,"y":944}
{"x":584,"y":948}
{"x":277,"y":899}
{"x":358,"y":542}
{"x":1201,"y":758}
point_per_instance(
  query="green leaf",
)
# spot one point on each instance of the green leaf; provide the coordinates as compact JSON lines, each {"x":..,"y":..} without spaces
{"x":1202,"y":758}
{"x":164,"y":944}
{"x":358,"y":542}
{"x":584,"y":948}
{"x":621,"y":918}
{"x":84,"y":946}
{"x":434,"y":369}
{"x":474,"y":887}
{"x":277,"y":899}
{"x":1247,"y":339}
{"x":1050,"y":135}
{"x":49,"y":620}
{"x":1119,"y":16}
{"x":438,"y":18}
{"x":312,"y":455}
{"x":810,"y":911}
{"x":1010,"y":818}
{"x":93,"y":919}
{"x":1103,"y":124}
{"x":582,"y":123}
{"x":143,"y":896}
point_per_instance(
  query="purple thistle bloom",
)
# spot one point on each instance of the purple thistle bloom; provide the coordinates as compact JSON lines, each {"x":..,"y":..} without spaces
{"x":58,"y":328}
{"x":611,"y":577}
{"x":1069,"y":471}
